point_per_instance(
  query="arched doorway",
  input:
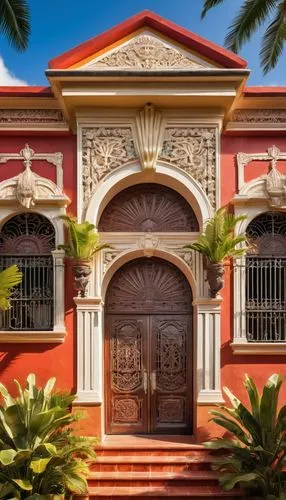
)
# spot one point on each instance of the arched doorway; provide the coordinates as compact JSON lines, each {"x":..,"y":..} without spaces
{"x":148,"y":349}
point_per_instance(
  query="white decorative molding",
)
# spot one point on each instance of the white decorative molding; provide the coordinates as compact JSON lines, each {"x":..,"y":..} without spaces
{"x":259,"y":116}
{"x":103,"y":150}
{"x":59,"y":290}
{"x":148,"y":138}
{"x":11,"y":118}
{"x":89,"y":350}
{"x":208,"y":350}
{"x":259,"y":348}
{"x":193,"y":149}
{"x":29,"y":188}
{"x":257,"y":119}
{"x":146,"y":51}
{"x":33,"y":337}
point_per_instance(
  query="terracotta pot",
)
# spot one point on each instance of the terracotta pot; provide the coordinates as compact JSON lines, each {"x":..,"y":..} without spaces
{"x":81,"y":270}
{"x":215,"y":273}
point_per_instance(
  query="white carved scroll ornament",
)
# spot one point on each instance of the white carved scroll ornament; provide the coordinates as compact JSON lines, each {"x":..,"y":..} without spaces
{"x":29,"y":188}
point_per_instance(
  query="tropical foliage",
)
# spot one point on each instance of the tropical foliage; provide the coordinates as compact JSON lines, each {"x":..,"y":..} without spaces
{"x":15,"y":22}
{"x":218,"y":243}
{"x":9,"y":278}
{"x":252,"y":15}
{"x":256,"y":455}
{"x":39,"y":455}
{"x":83,"y":241}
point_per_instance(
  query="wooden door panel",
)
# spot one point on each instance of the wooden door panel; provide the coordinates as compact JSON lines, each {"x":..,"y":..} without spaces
{"x":171,"y":373}
{"x":126,"y":372}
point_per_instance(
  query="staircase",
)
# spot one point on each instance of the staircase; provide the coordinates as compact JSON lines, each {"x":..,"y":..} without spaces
{"x":155,"y":467}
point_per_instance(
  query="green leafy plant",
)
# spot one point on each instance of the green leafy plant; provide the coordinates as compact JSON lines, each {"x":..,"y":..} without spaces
{"x":9,"y":278}
{"x":83,"y":241}
{"x":218,"y":243}
{"x":252,"y":15}
{"x":15,"y":22}
{"x":39,"y":454}
{"x":256,"y":454}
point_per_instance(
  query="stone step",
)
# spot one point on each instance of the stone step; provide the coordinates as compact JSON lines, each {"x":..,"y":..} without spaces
{"x":153,"y":493}
{"x":155,"y":479}
{"x":156,"y":463}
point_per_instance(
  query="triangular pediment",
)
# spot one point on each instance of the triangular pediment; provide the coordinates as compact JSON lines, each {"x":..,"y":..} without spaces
{"x":146,"y":50}
{"x":147,"y":41}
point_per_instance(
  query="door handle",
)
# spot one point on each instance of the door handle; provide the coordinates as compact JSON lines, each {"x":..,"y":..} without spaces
{"x":153,"y":382}
{"x":145,"y":381}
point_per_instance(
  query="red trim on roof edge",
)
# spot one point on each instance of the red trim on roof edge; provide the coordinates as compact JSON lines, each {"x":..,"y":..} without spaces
{"x":264,"y":91}
{"x":27,"y":91}
{"x":161,"y":25}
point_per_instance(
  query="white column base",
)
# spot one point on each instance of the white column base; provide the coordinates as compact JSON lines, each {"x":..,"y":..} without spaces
{"x":89,"y":350}
{"x":208,"y":350}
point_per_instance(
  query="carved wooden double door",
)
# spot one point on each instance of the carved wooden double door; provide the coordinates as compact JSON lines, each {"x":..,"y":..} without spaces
{"x":148,"y":350}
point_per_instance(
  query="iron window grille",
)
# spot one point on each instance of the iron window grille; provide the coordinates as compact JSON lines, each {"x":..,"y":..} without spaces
{"x":265,"y":266}
{"x":27,"y":240}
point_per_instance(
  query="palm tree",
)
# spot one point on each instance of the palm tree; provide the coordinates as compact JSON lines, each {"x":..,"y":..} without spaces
{"x":251,"y":16}
{"x":9,"y":278}
{"x":15,"y":22}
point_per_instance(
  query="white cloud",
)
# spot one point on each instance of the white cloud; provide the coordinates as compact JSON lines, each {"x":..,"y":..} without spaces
{"x":7,"y":78}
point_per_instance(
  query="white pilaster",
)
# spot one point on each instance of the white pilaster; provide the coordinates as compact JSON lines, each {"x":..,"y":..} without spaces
{"x":208,"y":350}
{"x":89,"y":350}
{"x":59,"y":290}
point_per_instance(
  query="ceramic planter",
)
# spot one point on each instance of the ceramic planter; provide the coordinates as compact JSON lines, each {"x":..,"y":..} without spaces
{"x":81,"y":271}
{"x":215,"y":277}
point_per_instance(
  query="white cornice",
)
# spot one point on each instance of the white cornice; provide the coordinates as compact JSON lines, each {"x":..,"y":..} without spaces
{"x":259,"y":348}
{"x":33,"y":337}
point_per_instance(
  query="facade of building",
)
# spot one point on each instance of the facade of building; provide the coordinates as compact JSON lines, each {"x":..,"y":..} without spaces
{"x":144,"y":131}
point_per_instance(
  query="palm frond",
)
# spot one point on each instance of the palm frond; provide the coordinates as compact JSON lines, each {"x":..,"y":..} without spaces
{"x":209,"y":4}
{"x":15,"y":22}
{"x":251,"y":16}
{"x":9,"y":278}
{"x":274,"y":39}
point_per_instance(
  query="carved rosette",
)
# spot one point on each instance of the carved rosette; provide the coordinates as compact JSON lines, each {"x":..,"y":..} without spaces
{"x":149,"y":132}
{"x":103,"y":150}
{"x":146,"y":52}
{"x":194,"y":151}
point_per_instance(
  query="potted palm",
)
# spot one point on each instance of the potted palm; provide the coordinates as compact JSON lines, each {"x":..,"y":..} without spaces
{"x":217,"y":244}
{"x":83,"y":242}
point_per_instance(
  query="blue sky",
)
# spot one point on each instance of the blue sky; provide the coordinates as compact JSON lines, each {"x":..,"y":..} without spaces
{"x":58,"y":25}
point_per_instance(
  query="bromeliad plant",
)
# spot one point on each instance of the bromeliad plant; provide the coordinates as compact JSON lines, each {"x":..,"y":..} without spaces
{"x":217,"y":244}
{"x":82,"y":244}
{"x":255,"y":458}
{"x":9,"y":277}
{"x":40,"y":458}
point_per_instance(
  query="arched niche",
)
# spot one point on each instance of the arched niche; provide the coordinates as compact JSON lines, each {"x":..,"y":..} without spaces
{"x":148,"y":207}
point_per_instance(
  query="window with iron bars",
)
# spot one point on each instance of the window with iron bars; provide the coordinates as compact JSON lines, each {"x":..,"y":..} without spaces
{"x":265,"y":266}
{"x":27,"y":240}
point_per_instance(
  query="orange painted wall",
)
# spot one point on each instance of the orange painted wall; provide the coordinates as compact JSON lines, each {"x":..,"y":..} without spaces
{"x":45,"y":360}
{"x":234,"y":367}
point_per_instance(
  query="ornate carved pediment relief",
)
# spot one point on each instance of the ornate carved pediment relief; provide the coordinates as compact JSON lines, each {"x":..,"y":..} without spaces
{"x":193,"y":150}
{"x":29,"y":188}
{"x":149,"y":138}
{"x":144,"y":51}
{"x":271,"y":187}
